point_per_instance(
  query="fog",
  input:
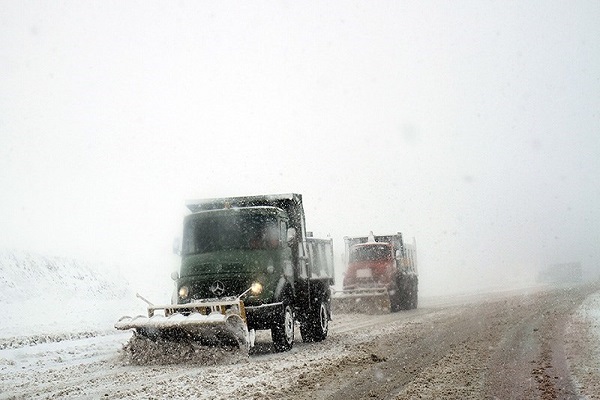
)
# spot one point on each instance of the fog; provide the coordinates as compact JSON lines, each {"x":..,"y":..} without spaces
{"x":473,"y":127}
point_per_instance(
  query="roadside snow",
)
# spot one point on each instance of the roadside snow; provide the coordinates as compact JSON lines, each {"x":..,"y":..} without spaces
{"x":583,"y":347}
{"x":46,"y":356}
{"x":26,"y":276}
{"x":46,"y":299}
{"x":58,"y":341}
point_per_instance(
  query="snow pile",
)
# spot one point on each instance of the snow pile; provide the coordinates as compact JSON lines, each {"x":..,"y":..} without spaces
{"x":583,"y":346}
{"x":24,"y":276}
{"x":46,"y":299}
{"x":590,"y":312}
{"x":142,"y":351}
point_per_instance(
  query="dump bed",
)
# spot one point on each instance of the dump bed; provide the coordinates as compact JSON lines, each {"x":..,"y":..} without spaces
{"x":291,"y":203}
{"x":320,"y":255}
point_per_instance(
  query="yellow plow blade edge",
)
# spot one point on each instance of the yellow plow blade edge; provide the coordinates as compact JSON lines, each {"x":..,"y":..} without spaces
{"x":212,"y":329}
{"x":361,"y":302}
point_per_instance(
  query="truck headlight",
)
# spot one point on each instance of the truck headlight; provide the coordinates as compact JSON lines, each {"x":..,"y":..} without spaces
{"x":256,"y":288}
{"x":183,"y":292}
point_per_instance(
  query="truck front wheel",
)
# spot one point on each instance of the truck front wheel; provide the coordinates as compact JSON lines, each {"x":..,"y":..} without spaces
{"x":396,"y":298}
{"x":282,"y":331}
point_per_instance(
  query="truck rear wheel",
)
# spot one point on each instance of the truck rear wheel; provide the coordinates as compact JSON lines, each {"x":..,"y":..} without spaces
{"x":282,"y":331}
{"x":316,"y":327}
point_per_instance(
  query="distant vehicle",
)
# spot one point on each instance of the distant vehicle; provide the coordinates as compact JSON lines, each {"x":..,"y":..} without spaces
{"x":381,"y":273}
{"x":247,"y":264}
{"x":561,"y":273}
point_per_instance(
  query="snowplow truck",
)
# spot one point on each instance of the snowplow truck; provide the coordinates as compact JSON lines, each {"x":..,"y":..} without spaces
{"x":247,"y":264}
{"x":381,"y":275}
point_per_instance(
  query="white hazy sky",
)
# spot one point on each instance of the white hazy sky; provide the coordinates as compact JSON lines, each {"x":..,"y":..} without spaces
{"x":473,"y":126}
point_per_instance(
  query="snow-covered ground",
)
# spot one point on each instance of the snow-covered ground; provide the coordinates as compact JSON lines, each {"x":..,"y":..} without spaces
{"x":59,"y":316}
{"x":48,"y":298}
{"x":585,"y":350}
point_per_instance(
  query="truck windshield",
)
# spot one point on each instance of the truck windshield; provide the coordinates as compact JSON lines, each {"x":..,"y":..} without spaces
{"x":370,"y":253}
{"x":230,"y":232}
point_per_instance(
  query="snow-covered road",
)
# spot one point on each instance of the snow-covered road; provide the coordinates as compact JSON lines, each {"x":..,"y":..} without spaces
{"x":451,"y":349}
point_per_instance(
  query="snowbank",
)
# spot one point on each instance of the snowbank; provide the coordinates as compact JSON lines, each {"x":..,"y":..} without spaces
{"x":45,"y":298}
{"x":583,"y":346}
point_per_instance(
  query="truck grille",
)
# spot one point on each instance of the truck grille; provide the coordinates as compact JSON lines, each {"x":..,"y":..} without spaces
{"x":220,"y":288}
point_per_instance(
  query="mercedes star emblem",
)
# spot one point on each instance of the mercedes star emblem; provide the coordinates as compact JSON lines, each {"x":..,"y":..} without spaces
{"x":218,"y":288}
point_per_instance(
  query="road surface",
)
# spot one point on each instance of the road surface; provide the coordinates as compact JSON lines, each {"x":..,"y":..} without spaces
{"x":528,"y":344}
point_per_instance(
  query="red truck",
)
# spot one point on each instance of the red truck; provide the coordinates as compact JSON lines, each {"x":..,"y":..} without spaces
{"x":381,"y":270}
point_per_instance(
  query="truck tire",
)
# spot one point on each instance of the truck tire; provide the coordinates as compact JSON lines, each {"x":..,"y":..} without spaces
{"x":316,"y":327}
{"x":415,"y":294}
{"x":282,"y":331}
{"x":415,"y":301}
{"x":396,"y":298}
{"x":394,"y":306}
{"x":406,"y":293}
{"x":409,"y":297}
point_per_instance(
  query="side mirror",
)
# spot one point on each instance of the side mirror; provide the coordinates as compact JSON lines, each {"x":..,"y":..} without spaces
{"x":291,"y":235}
{"x":175,"y":275}
{"x":177,"y":246}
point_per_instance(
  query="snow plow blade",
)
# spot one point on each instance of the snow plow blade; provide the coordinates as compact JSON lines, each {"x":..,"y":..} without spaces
{"x":361,"y":301}
{"x":213,"y":323}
